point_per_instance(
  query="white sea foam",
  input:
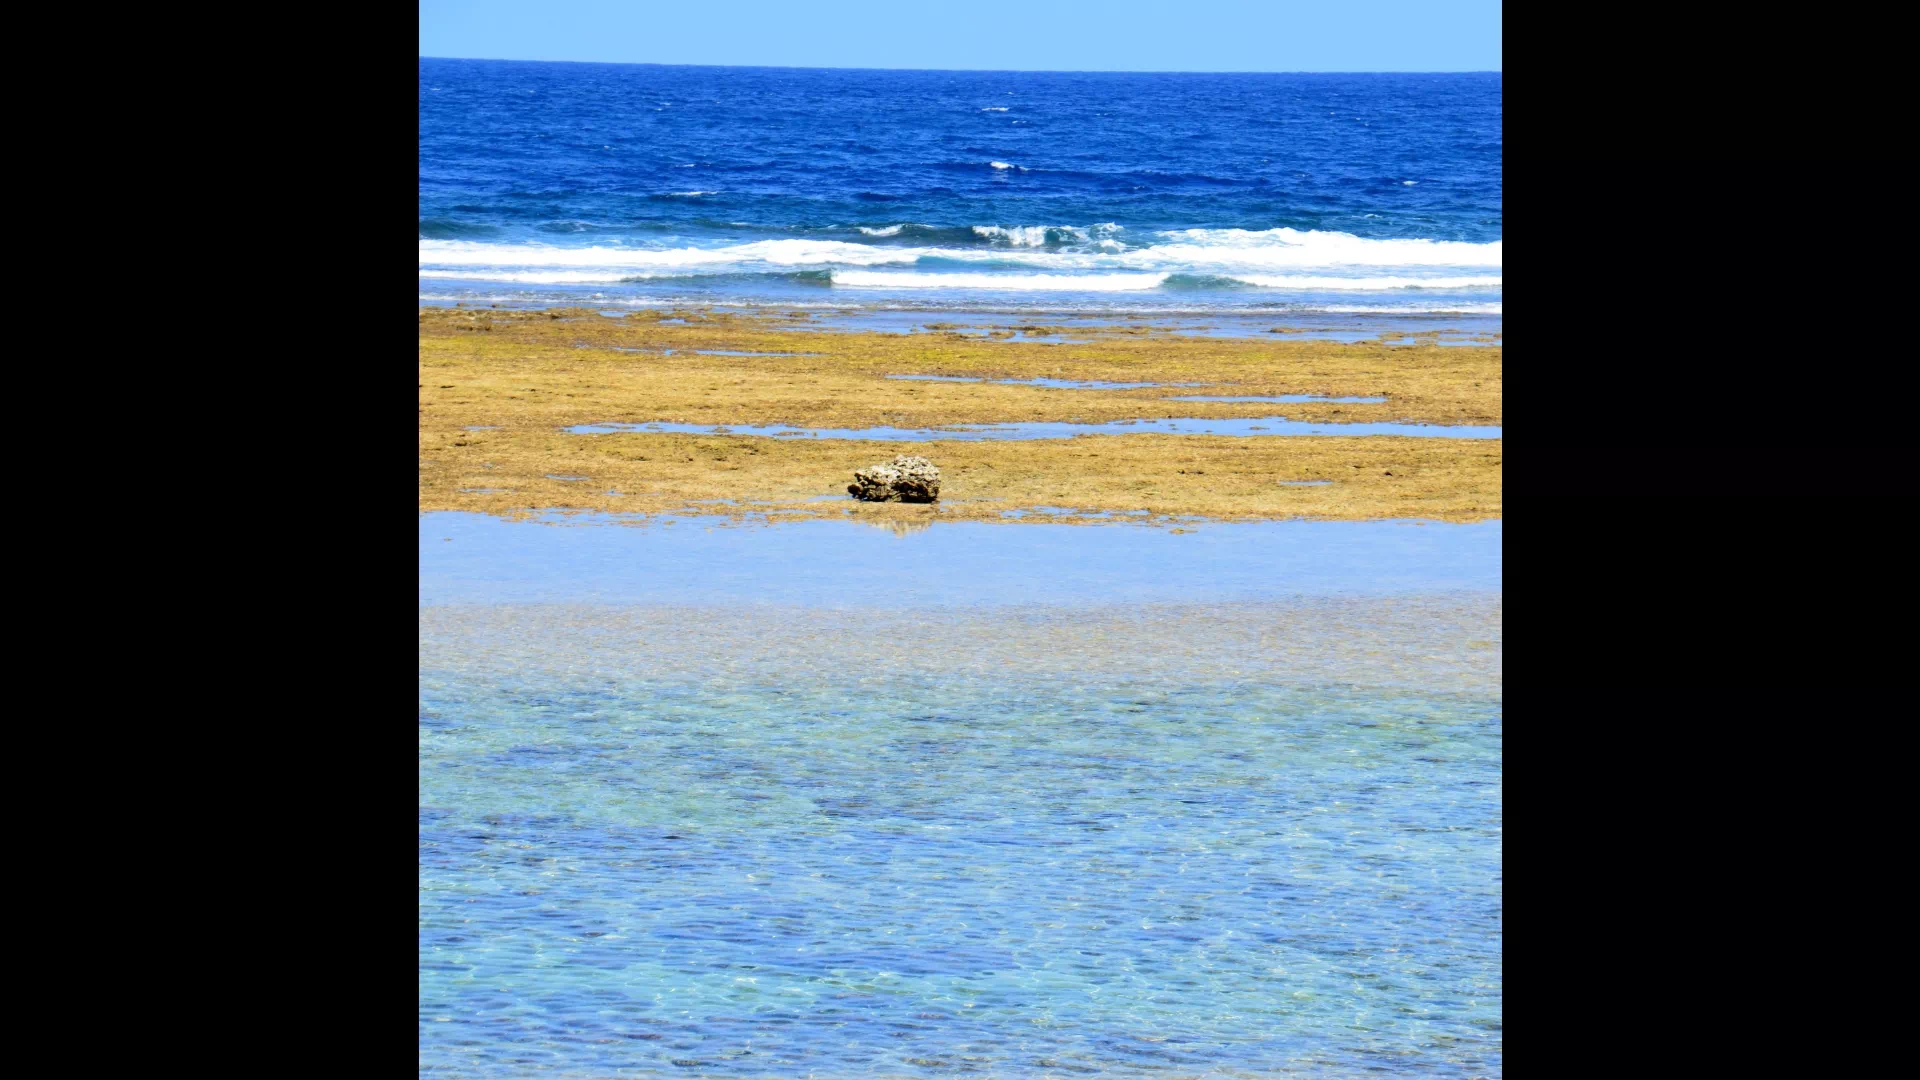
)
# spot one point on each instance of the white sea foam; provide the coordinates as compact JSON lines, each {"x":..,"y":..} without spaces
{"x":1093,"y":255}
{"x":1007,"y":165}
{"x":994,"y":108}
{"x":1438,"y":308}
{"x":866,"y":279}
{"x":690,"y":193}
{"x":1291,"y":247}
{"x":1307,"y":281}
{"x":532,"y":277}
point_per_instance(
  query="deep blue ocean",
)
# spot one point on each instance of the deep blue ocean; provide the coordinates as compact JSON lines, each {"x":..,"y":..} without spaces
{"x":638,"y":185}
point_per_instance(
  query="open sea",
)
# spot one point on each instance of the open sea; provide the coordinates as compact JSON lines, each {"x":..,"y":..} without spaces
{"x":1314,"y":199}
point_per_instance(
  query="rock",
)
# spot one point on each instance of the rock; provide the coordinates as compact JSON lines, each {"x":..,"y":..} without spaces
{"x":904,"y":479}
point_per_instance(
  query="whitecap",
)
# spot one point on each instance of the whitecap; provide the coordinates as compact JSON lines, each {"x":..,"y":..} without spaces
{"x":1273,"y":258}
{"x":531,"y":277}
{"x":1291,"y":247}
{"x":1021,"y":235}
{"x":866,"y":279}
{"x":1304,"y":281}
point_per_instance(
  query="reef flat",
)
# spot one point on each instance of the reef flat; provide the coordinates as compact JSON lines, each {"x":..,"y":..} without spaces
{"x":499,"y":389}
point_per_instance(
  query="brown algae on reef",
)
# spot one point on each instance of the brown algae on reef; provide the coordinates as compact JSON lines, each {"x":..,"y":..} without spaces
{"x":497,"y":388}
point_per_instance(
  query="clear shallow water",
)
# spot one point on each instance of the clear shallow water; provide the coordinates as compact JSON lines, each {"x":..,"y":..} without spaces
{"x":1312,"y":326}
{"x":1330,"y":194}
{"x":1016,"y":800}
{"x":1315,"y":326}
{"x":679,"y":561}
{"x":1248,"y":426}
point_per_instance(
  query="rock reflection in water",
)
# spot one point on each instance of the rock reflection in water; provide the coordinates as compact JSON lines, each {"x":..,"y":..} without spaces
{"x":901,"y":526}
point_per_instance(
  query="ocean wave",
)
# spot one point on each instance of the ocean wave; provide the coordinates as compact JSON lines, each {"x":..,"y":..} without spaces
{"x":449,"y":229}
{"x":1305,"y":282}
{"x":866,"y":279}
{"x":530,"y":277}
{"x":1437,"y":308}
{"x":1203,"y":282}
{"x":1099,"y":237}
{"x":1198,"y":258}
{"x":1128,"y":282}
{"x":924,"y":235}
{"x":1028,"y":235}
{"x":994,"y":108}
{"x":1219,"y":250}
{"x":1292,"y":247}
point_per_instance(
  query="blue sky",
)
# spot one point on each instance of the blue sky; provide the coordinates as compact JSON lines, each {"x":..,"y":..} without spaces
{"x":1015,"y":35}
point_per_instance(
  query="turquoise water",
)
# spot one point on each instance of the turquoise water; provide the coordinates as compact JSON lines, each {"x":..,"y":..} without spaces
{"x":995,"y":800}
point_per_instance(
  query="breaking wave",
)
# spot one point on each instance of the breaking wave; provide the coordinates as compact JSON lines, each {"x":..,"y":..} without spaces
{"x":1097,"y":258}
{"x":867,"y":279}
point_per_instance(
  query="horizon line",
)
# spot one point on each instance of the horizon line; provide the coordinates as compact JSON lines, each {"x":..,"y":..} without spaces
{"x":978,"y":71}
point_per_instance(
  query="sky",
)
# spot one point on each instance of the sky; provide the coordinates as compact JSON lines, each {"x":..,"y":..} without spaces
{"x":980,"y":35}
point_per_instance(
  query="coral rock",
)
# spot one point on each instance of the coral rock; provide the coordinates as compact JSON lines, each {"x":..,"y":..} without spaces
{"x":904,"y":479}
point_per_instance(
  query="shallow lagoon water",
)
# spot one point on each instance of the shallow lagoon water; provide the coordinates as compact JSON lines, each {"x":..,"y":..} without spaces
{"x":1022,"y":430}
{"x":828,"y":564}
{"x":814,"y":799}
{"x":915,"y":319}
